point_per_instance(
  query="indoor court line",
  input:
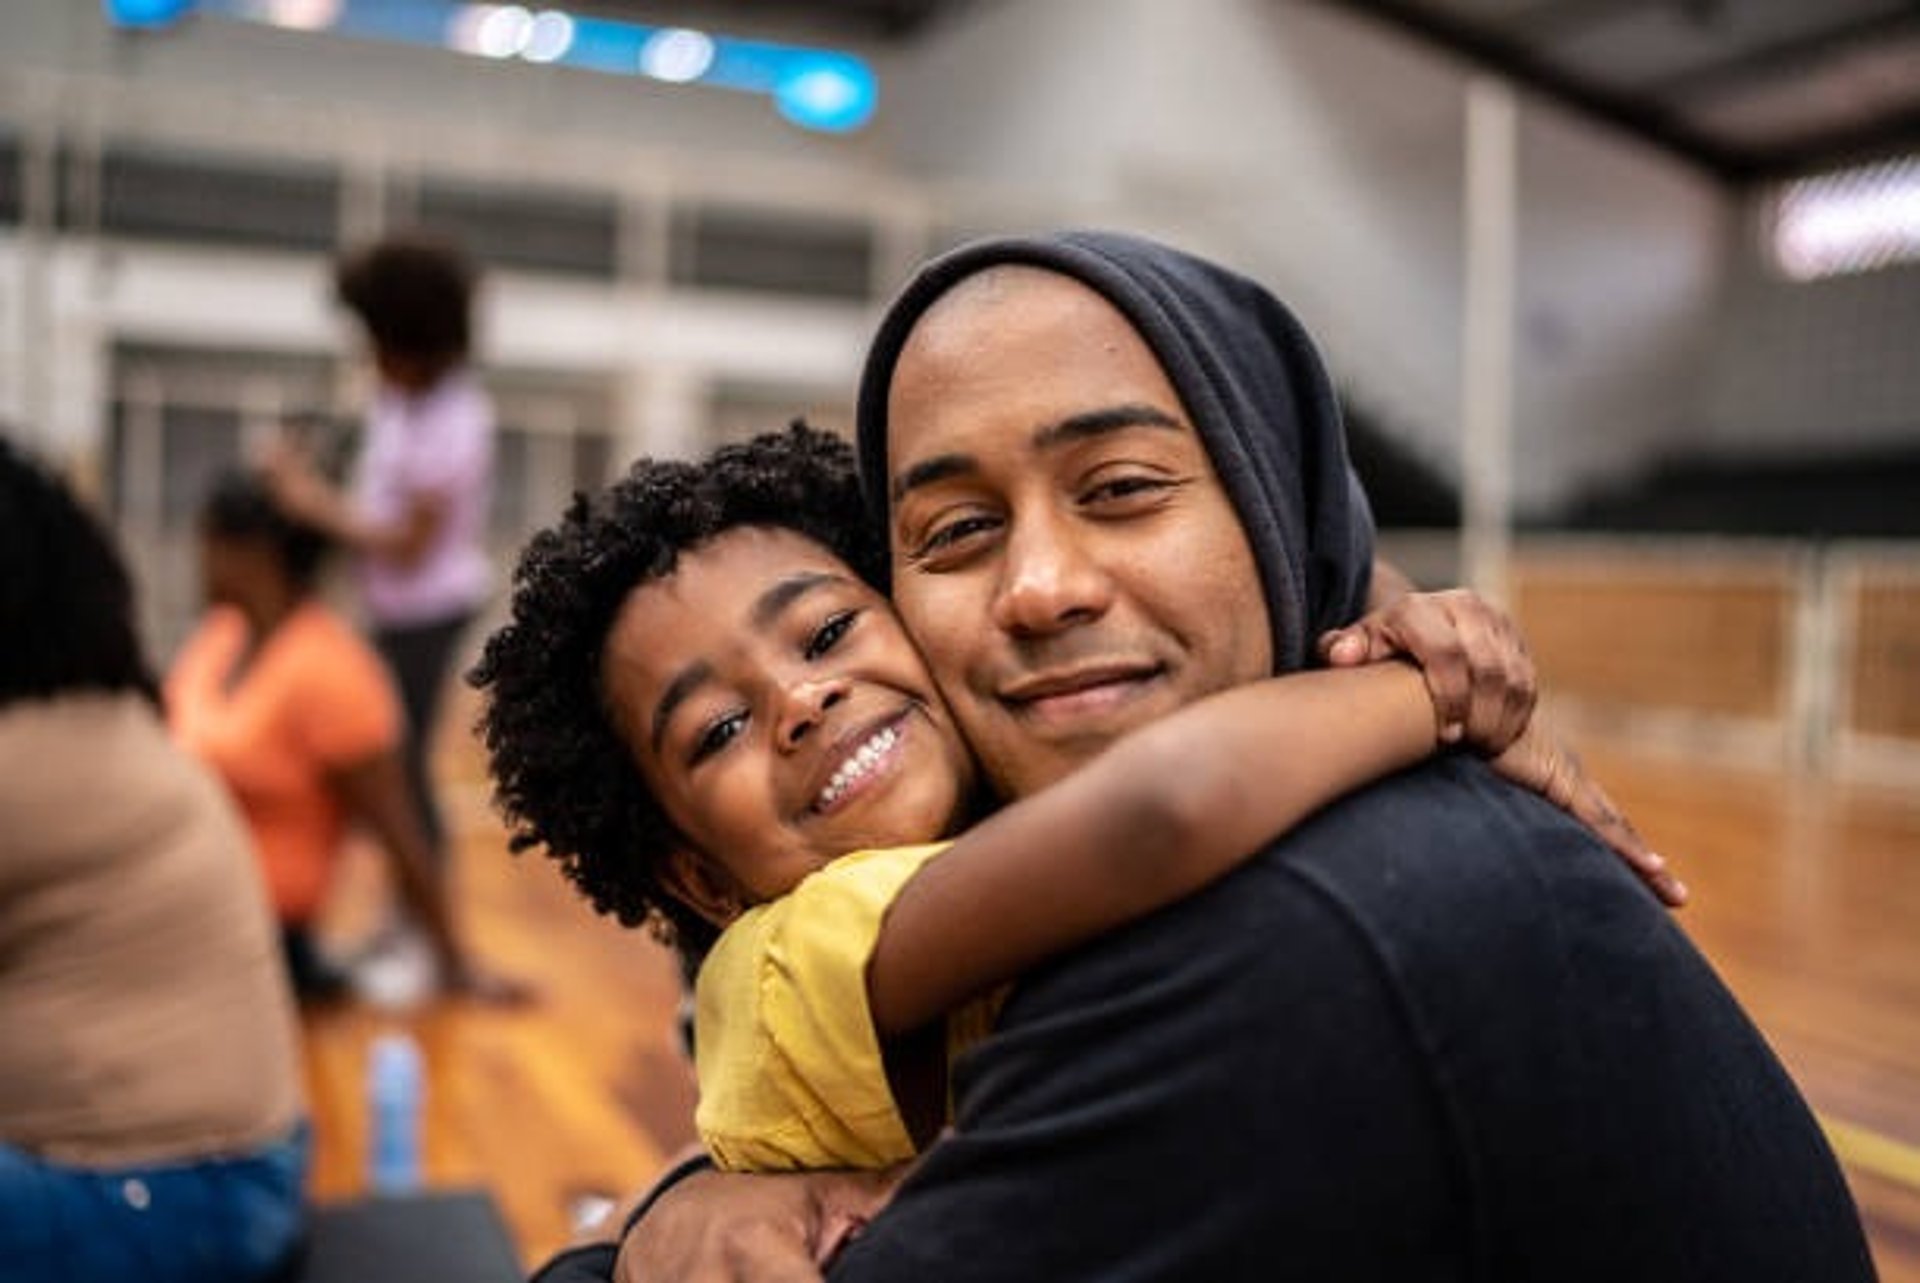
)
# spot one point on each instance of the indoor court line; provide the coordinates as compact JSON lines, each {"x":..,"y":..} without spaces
{"x":1871,"y":1152}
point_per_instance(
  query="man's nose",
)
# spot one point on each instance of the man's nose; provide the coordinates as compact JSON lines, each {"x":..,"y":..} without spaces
{"x":804,"y":704}
{"x":1050,"y":580}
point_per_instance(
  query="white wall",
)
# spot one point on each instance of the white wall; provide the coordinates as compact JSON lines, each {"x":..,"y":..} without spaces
{"x":668,"y":347}
{"x":374,"y":111}
{"x":1830,"y":365}
{"x":1026,"y":98}
{"x":1324,"y":155}
{"x":1622,"y":284}
{"x":1304,"y":144}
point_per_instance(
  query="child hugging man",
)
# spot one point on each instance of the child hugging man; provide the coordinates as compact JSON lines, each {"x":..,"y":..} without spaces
{"x":705,"y":712}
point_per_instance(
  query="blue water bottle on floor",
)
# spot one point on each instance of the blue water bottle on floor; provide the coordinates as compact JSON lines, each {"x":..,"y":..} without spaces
{"x":396,"y":1087}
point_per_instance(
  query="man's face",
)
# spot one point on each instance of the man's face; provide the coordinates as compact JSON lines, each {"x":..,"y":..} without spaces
{"x":1062,"y":549}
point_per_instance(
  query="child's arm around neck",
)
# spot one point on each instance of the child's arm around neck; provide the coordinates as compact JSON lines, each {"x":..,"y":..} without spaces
{"x":1163,"y":812}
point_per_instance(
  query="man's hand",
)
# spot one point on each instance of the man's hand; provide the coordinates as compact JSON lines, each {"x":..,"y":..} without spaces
{"x":721,"y":1228}
{"x":1470,"y":651}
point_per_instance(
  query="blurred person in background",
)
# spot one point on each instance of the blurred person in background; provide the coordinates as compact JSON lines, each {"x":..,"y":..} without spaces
{"x":151,"y":1121}
{"x":416,"y":514}
{"x":294,"y":712}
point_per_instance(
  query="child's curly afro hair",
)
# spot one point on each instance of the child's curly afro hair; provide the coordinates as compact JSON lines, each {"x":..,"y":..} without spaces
{"x":563,"y":777}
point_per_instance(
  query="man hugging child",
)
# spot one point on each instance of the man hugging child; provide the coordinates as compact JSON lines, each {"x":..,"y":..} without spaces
{"x":704,"y":711}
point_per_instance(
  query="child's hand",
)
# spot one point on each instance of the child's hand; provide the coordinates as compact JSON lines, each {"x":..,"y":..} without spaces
{"x":1482,"y":682}
{"x":1470,"y":651}
{"x":1540,"y":761}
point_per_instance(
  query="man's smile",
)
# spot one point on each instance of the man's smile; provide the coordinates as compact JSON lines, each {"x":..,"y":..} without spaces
{"x":1066,"y":695}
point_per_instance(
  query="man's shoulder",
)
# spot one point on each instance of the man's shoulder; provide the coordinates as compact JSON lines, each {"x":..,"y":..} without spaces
{"x":1432,"y":1023}
{"x":1448,"y":834}
{"x":1426,"y":884}
{"x":1446,"y":874}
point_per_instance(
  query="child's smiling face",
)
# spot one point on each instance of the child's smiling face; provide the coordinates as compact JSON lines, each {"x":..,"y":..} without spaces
{"x":781,"y":715}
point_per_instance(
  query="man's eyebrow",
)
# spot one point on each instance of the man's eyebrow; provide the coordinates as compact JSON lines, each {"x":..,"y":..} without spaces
{"x":1075,"y":427}
{"x":1094,"y":423}
{"x":684,"y":683}
{"x":928,"y":471}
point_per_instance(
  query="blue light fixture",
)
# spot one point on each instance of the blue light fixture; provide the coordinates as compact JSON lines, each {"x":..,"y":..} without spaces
{"x":818,"y":89}
{"x":146,"y":13}
{"x":827,"y":91}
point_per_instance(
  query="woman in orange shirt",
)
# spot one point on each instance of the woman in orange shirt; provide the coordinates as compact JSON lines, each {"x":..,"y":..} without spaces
{"x":297,"y":715}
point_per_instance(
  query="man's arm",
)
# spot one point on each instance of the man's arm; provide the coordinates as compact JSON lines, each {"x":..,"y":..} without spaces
{"x":591,"y":1257}
{"x":695,"y":1224}
{"x":718,"y":1226}
{"x":581,"y":1263}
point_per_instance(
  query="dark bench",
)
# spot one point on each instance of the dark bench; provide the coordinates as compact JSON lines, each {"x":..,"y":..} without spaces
{"x":453,"y":1235}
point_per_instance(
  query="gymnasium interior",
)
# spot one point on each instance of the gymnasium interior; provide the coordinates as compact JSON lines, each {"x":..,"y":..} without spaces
{"x":1620,"y":298}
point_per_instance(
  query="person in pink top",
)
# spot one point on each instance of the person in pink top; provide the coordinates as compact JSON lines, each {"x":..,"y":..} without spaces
{"x":416,"y":512}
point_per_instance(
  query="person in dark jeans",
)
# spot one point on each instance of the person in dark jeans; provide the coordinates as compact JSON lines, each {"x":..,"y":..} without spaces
{"x":420,"y":659}
{"x":1437,"y":1033}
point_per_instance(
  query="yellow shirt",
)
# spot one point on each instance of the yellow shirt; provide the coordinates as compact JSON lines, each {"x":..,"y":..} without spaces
{"x":790,"y":1070}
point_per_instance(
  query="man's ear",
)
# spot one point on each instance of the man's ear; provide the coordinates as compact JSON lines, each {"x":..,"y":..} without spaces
{"x":702,"y":885}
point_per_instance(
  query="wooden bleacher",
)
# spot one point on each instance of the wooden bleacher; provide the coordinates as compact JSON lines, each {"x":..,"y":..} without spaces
{"x":1805,"y":655}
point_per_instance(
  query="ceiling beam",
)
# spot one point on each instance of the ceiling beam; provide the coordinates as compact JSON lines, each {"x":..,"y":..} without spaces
{"x":1569,"y":19}
{"x":1899,"y":133}
{"x":1519,"y":64}
{"x":1783,"y":58}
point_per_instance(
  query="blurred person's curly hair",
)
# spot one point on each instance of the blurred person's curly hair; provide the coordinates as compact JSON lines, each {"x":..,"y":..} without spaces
{"x":414,"y":295}
{"x":66,"y":600}
{"x":563,"y":777}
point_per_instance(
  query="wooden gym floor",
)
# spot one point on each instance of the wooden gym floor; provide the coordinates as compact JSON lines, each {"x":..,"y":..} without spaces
{"x":1806,"y":897}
